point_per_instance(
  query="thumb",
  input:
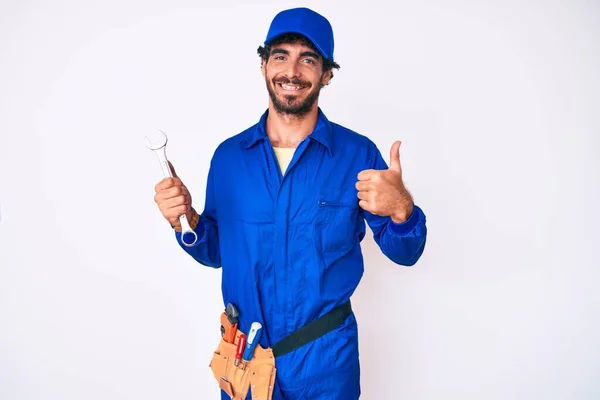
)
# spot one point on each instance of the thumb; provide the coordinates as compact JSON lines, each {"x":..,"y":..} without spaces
{"x":395,"y":156}
{"x":172,"y":170}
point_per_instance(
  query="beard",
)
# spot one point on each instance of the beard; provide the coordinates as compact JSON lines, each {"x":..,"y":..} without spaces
{"x":291,"y":104}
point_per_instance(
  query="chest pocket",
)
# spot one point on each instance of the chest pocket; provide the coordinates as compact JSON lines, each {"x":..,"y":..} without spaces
{"x":336,"y":220}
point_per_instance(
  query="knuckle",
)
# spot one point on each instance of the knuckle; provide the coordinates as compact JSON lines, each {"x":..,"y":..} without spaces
{"x":165,"y":194}
{"x":172,"y":181}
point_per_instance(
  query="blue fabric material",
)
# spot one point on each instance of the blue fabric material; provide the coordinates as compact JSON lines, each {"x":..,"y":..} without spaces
{"x":289,"y":246}
{"x":306,"y":22}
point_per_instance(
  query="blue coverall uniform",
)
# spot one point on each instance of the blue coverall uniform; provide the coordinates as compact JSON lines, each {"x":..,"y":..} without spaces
{"x":289,"y":246}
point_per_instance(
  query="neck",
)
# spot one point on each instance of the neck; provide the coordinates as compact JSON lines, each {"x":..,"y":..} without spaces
{"x":285,"y":130}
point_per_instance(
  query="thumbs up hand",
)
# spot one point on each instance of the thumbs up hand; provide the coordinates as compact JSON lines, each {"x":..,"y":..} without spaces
{"x":382,"y":192}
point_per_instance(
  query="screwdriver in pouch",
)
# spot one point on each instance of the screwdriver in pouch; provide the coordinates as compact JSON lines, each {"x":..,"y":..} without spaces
{"x":253,"y":339}
{"x":240,"y":349}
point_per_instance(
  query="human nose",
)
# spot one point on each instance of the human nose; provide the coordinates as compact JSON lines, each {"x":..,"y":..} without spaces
{"x":292,"y":70}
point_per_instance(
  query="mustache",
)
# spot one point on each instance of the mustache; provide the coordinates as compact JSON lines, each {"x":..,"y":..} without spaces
{"x":294,"y":81}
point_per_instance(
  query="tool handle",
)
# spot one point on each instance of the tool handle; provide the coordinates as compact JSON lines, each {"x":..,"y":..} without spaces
{"x":226,"y":328}
{"x":166,"y":169}
{"x":253,"y":339}
{"x":164,"y":164}
{"x":240,"y":349}
{"x":230,"y":333}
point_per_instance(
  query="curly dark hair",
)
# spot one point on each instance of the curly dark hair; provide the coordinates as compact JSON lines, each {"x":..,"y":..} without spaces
{"x":265,"y":51}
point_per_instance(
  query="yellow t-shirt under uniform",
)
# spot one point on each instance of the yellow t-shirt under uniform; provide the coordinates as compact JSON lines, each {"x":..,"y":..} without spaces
{"x":284,"y":156}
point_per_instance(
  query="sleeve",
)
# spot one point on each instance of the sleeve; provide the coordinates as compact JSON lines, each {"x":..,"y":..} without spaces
{"x":206,"y":249}
{"x":402,"y":243}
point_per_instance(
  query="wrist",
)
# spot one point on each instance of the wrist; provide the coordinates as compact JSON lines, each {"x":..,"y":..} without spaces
{"x":402,"y":214}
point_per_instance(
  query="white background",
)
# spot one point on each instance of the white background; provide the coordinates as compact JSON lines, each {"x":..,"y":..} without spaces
{"x":497,"y":104}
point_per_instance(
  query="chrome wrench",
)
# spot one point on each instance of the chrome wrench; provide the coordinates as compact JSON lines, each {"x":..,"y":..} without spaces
{"x":159,"y":146}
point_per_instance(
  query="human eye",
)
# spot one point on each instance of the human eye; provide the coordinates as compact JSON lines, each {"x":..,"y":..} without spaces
{"x":279,"y":58}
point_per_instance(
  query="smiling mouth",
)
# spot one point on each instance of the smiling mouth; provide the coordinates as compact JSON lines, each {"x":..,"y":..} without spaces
{"x":290,"y":87}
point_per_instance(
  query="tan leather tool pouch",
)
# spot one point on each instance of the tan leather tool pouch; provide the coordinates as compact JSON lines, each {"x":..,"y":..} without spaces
{"x":258,"y":375}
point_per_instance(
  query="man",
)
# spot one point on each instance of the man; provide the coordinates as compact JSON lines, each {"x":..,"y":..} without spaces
{"x":285,"y":211}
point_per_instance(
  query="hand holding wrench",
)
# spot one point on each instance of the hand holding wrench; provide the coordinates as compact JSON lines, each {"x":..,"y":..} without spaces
{"x":158,"y":145}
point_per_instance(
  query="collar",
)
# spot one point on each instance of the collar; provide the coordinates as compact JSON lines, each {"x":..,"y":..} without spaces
{"x":322,"y":133}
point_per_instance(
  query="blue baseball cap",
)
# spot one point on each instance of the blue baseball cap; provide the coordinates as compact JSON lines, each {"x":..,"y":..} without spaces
{"x":306,"y":22}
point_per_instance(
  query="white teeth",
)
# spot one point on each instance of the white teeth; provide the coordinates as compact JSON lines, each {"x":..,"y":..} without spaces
{"x":288,"y":87}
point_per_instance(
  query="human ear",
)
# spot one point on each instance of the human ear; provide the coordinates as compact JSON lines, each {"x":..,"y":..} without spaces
{"x":326,"y":78}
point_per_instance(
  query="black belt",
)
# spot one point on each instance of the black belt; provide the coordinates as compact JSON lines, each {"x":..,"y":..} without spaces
{"x":313,"y":330}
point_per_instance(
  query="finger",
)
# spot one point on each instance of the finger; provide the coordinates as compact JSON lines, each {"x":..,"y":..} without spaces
{"x":363,"y":195}
{"x":170,"y":193}
{"x":167,"y":183}
{"x":173,"y":214}
{"x":365,"y":175}
{"x":164,"y":184}
{"x":174,"y":192}
{"x":364,"y":205}
{"x":175,"y":206}
{"x":172,"y":169}
{"x":395,"y":156}
{"x":363,"y":185}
